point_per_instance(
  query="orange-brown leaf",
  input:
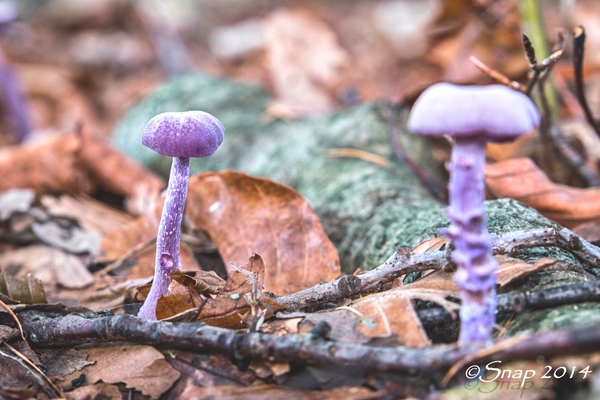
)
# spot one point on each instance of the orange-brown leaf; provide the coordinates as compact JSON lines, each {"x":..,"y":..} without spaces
{"x":245,"y":215}
{"x":522,"y":180}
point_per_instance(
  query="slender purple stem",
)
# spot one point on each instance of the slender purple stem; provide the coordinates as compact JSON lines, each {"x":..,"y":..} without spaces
{"x":468,"y":231}
{"x":169,"y":234}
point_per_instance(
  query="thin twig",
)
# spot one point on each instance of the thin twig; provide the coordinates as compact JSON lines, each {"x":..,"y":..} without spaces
{"x":34,"y":367}
{"x":492,"y":73}
{"x":13,"y":316}
{"x":403,"y":262}
{"x":517,"y":302}
{"x":578,"y":51}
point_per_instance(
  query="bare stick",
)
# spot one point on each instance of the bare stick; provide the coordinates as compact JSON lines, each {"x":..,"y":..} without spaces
{"x":305,"y":349}
{"x":578,"y":51}
{"x":516,"y":302}
{"x":403,"y":262}
{"x":492,"y":73}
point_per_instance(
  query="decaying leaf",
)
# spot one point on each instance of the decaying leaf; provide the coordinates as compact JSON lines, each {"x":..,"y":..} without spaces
{"x":51,"y":266}
{"x":60,"y":362}
{"x":28,"y":290}
{"x":133,"y":249}
{"x":509,"y":270}
{"x":179,"y":299}
{"x":15,"y":201}
{"x":429,"y":245}
{"x":391,"y":313}
{"x":522,"y":180}
{"x":513,"y":269}
{"x":304,"y":60}
{"x":245,"y":215}
{"x":343,"y":322}
{"x":92,"y":215}
{"x":112,"y":294}
{"x":203,"y":282}
{"x":71,"y":239}
{"x":140,"y":367}
{"x":228,"y":308}
{"x":102,"y":391}
{"x":73,"y":163}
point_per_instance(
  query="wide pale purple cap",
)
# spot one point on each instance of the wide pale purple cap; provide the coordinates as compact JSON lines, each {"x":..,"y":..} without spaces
{"x":498,"y":112}
{"x":183,"y":134}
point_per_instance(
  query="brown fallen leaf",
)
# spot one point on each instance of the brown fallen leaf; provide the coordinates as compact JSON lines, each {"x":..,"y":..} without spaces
{"x":522,"y":180}
{"x":51,"y":266}
{"x":304,"y":60}
{"x":179,"y":299}
{"x":73,"y":163}
{"x":134,"y":248}
{"x":391,"y":314}
{"x":510,"y":270}
{"x":228,"y":308}
{"x":92,"y":215}
{"x":102,"y":391}
{"x":245,"y":215}
{"x":28,"y":290}
{"x":513,"y":269}
{"x":140,"y":367}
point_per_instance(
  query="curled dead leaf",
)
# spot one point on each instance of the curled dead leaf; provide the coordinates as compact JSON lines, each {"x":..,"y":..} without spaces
{"x":228,"y":308}
{"x":522,"y":180}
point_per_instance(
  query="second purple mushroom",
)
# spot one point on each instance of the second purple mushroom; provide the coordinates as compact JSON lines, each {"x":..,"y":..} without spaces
{"x":180,"y":135}
{"x":472,"y":116}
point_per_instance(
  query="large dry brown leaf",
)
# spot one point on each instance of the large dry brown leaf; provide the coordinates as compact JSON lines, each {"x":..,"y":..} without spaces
{"x":522,"y":180}
{"x":246,"y":215}
{"x":140,"y":367}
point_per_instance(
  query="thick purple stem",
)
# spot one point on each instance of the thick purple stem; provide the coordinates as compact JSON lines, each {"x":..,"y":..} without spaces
{"x":168,"y":237}
{"x":476,"y":274}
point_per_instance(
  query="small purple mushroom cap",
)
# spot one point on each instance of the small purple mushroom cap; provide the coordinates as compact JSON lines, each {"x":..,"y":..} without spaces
{"x":497,"y":111}
{"x":183,"y":134}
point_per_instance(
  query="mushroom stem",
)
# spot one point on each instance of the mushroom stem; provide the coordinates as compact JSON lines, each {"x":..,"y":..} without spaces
{"x":168,"y":237}
{"x":476,"y":274}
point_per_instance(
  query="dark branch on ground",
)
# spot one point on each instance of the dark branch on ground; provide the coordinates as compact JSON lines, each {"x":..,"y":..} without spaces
{"x":309,"y":349}
{"x":517,"y":301}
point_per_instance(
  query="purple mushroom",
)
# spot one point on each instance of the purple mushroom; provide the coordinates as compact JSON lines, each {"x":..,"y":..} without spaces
{"x":472,"y":116}
{"x":180,"y":135}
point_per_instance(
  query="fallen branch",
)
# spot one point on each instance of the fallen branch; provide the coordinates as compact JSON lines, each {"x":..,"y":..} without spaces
{"x":403,"y":262}
{"x":516,"y":302}
{"x":309,"y":349}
